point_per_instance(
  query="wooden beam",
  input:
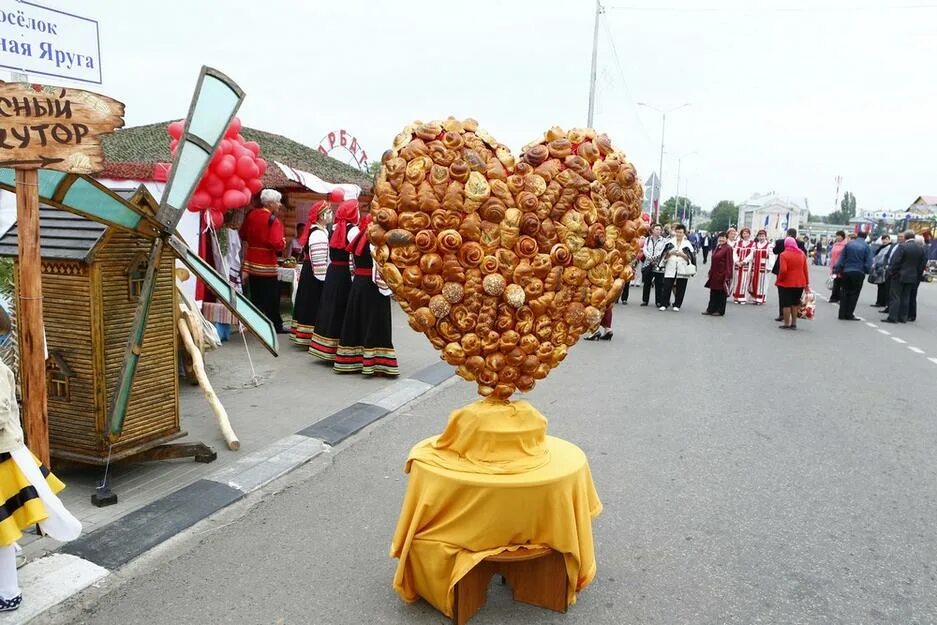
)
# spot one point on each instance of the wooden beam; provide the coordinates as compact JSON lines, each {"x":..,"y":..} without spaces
{"x":30,"y":326}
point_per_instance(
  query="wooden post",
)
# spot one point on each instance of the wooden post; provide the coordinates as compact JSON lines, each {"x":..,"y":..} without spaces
{"x":29,"y":322}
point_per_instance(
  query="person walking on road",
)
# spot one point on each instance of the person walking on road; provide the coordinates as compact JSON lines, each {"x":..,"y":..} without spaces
{"x":706,"y":244}
{"x":653,"y":272}
{"x":853,"y":265}
{"x":879,"y":275}
{"x":720,"y":278}
{"x":679,"y":263}
{"x":838,"y":245}
{"x":905,"y":270}
{"x":793,"y":278}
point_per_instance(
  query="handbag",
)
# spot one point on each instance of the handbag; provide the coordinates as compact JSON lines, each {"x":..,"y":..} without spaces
{"x":829,"y":282}
{"x":689,"y":271}
{"x":808,"y":305}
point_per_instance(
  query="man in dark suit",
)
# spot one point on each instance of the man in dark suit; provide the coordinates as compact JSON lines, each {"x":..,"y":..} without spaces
{"x":905,"y":271}
{"x":706,"y":244}
{"x":778,"y":248}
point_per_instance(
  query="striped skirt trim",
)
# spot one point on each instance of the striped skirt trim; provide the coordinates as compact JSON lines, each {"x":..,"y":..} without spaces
{"x":322,"y":348}
{"x":300,"y":333}
{"x":367,"y":361}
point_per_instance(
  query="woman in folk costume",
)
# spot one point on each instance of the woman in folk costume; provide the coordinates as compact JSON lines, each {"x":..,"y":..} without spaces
{"x":334,"y":298}
{"x":262,"y":231}
{"x":366,"y":345}
{"x":27,"y":490}
{"x":743,"y":266}
{"x":760,"y":262}
{"x":315,"y":250}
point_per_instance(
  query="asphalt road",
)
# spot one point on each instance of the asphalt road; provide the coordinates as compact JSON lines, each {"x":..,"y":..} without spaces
{"x":749,"y":475}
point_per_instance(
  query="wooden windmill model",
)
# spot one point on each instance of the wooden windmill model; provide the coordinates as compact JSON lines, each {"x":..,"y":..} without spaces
{"x":216,"y":101}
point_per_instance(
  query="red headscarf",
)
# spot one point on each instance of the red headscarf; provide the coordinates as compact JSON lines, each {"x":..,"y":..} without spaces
{"x":361,"y":239}
{"x":311,"y":220}
{"x":347,"y":213}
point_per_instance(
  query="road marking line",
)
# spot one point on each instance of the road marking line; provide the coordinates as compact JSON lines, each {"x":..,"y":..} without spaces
{"x":897,"y":340}
{"x":916,"y":350}
{"x":933,"y":360}
{"x":885,"y":332}
{"x":871,"y":325}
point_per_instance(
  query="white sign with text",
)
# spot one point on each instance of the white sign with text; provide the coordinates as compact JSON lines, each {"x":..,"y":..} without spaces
{"x":40,"y":40}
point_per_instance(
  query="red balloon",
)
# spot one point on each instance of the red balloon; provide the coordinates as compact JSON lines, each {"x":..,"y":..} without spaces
{"x":261,"y":165}
{"x":213,"y":184}
{"x":226,"y":167}
{"x":253,"y":147}
{"x":246,"y":168}
{"x":235,"y":182}
{"x":193,"y":208}
{"x":233,"y":128}
{"x":226,"y":146}
{"x":172,"y":145}
{"x":175,"y":129}
{"x":255,"y":185}
{"x":233,"y":199}
{"x":200,"y":200}
{"x":217,"y":218}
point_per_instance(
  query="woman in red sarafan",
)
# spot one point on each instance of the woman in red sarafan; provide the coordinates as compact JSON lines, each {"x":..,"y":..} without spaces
{"x":262,"y":233}
{"x":334,"y":299}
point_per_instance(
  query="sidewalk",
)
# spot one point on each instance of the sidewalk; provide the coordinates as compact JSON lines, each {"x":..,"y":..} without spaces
{"x":300,"y":409}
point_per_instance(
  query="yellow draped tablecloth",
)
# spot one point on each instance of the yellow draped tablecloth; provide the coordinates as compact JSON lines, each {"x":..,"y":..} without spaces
{"x":490,"y":482}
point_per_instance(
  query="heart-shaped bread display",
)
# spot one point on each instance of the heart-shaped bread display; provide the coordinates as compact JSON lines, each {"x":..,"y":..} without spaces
{"x":504,"y":263}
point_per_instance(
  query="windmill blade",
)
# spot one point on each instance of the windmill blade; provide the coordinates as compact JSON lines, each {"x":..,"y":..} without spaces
{"x":240,"y":306}
{"x":216,"y":100}
{"x":87,"y":198}
{"x":121,"y":399}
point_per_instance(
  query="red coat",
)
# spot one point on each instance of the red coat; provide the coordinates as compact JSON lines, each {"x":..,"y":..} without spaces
{"x":262,"y":232}
{"x":720,"y":271}
{"x":793,"y":273}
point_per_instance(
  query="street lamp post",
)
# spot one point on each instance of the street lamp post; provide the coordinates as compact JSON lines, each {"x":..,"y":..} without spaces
{"x":679,"y":164}
{"x":660,"y":169}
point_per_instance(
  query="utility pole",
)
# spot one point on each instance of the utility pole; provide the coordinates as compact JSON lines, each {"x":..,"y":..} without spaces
{"x":595,"y":55}
{"x":660,"y":170}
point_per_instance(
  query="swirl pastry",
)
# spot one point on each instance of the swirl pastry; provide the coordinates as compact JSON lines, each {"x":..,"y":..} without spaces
{"x":447,"y":330}
{"x":471,"y":254}
{"x":425,"y":241}
{"x":526,"y":247}
{"x":487,"y":378}
{"x":464,"y":319}
{"x":412,"y":276}
{"x":492,"y":211}
{"x":428,"y":131}
{"x":536,"y":155}
{"x":525,"y":320}
{"x":561,"y":255}
{"x":530,"y":224}
{"x":385,"y":217}
{"x":449,"y":241}
{"x":452,"y":140}
{"x":515,"y":183}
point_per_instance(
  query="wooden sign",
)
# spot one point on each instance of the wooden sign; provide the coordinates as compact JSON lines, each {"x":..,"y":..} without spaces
{"x":55,"y":128}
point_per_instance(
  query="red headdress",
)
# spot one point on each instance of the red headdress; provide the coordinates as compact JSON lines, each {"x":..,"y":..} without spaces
{"x":311,"y":220}
{"x":336,"y":196}
{"x":347,"y":213}
{"x":361,"y":239}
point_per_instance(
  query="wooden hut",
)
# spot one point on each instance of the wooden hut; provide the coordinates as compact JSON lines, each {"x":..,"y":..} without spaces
{"x":91,"y":280}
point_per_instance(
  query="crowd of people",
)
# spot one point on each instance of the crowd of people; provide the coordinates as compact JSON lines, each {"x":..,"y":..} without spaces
{"x":341,"y":312}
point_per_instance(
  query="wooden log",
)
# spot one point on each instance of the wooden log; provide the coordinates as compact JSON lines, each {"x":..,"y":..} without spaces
{"x":31,"y":332}
{"x":199,"y":365}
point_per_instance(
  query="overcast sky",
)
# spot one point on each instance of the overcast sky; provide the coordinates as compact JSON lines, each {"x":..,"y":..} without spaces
{"x":785,"y":95}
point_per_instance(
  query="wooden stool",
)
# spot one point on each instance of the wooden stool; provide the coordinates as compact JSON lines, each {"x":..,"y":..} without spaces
{"x":537,"y":576}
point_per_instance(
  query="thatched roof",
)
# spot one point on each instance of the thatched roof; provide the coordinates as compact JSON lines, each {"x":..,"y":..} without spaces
{"x":130,"y":153}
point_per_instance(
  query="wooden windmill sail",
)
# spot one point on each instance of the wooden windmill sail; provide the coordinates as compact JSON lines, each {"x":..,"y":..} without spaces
{"x":214,"y":104}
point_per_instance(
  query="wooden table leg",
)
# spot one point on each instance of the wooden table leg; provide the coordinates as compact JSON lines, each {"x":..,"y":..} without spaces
{"x":541,"y":582}
{"x":470,"y":592}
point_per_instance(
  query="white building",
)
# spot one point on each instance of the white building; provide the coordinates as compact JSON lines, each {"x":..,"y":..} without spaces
{"x":771,"y":212}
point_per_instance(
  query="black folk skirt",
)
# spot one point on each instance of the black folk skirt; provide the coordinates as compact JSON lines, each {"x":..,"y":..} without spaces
{"x":306,"y":308}
{"x":332,"y":305}
{"x":366,"y":345}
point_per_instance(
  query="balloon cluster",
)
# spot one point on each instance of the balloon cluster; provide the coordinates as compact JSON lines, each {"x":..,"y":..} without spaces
{"x":232,"y":176}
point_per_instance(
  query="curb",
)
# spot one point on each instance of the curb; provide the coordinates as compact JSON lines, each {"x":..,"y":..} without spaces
{"x":95,"y":555}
